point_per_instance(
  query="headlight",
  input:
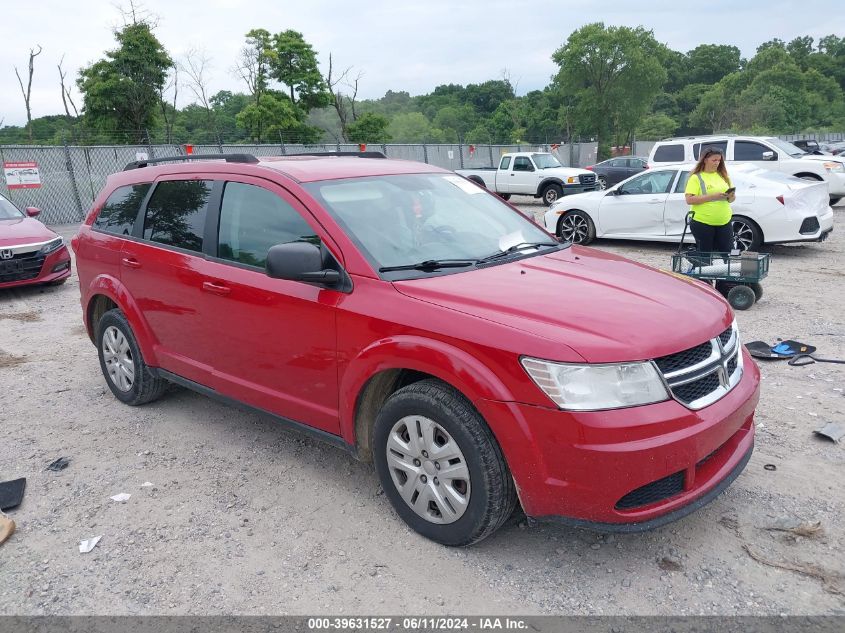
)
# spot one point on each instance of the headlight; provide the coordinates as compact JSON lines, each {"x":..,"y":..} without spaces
{"x":833,"y":166}
{"x":573,"y":180}
{"x":52,"y":245}
{"x":597,"y":387}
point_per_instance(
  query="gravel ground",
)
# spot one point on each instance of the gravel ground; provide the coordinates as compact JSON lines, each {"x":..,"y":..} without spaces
{"x":243,"y":517}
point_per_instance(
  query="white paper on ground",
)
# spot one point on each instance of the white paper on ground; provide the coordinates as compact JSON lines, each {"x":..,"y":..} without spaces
{"x":88,"y":544}
{"x":147,"y":484}
{"x":123,"y":496}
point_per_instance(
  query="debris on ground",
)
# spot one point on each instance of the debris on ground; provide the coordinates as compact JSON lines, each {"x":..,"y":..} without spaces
{"x":830,"y":580}
{"x":88,"y":544}
{"x":121,"y":497}
{"x":11,"y":493}
{"x":59,"y":464}
{"x":833,"y":431}
{"x":7,"y":527}
{"x":797,"y":528}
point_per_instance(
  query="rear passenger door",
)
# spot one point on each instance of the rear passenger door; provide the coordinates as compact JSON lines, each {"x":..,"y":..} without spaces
{"x":161,"y":271}
{"x":271,"y":342}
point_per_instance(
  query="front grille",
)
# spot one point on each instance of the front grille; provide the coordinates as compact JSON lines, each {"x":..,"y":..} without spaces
{"x":684,"y":359}
{"x":701,"y":375}
{"x":809,"y":226}
{"x":653,"y":492}
{"x":21,"y":267}
{"x":587,"y":179}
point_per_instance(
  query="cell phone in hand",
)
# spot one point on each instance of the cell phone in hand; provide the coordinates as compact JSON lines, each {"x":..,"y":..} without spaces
{"x":730,"y":190}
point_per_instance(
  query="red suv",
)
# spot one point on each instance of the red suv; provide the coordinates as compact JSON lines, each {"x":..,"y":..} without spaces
{"x":406,"y":315}
{"x":30,"y":253}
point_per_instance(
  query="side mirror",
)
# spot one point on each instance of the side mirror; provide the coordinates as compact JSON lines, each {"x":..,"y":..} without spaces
{"x":299,"y":261}
{"x":33,"y":211}
{"x":616,"y":192}
{"x":770,"y":155}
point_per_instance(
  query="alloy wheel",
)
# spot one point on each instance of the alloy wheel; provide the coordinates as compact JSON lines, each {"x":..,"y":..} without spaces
{"x":428,"y":469}
{"x":118,"y":358}
{"x":743,"y":235}
{"x":574,"y":228}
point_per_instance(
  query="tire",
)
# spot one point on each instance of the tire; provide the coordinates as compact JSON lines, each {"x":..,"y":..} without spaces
{"x":576,"y":227}
{"x":747,"y":235}
{"x":430,"y":417}
{"x":551,"y":194}
{"x":478,"y":181}
{"x":602,"y":182}
{"x":127,"y":375}
{"x":741,"y":297}
{"x":758,"y":290}
{"x":834,"y":200}
{"x":504,"y":196}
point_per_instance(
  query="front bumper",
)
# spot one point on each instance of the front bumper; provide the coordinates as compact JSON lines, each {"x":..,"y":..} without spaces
{"x":635,"y":468}
{"x":35,"y":270}
{"x":569,"y":190}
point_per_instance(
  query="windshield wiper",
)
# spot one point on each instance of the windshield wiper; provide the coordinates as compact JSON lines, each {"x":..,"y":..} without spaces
{"x":430,"y":265}
{"x":514,"y":249}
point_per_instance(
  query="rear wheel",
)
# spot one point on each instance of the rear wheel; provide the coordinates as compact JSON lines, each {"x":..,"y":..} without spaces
{"x":440,"y":465}
{"x":576,"y":227}
{"x":758,"y":290}
{"x":747,"y":235}
{"x":551,"y":194}
{"x":128,"y":376}
{"x":504,"y":196}
{"x":741,"y":297}
{"x":834,"y":200}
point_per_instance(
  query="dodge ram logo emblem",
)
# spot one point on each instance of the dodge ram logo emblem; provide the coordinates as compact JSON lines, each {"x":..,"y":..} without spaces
{"x":6,"y":253}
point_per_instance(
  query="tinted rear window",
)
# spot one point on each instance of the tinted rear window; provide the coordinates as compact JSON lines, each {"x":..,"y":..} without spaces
{"x":176,"y":213}
{"x":669,"y":154}
{"x":121,"y":208}
{"x":722,"y":146}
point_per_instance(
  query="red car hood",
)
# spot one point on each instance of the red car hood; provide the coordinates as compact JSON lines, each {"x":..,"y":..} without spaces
{"x":604,"y":307}
{"x":23,"y":231}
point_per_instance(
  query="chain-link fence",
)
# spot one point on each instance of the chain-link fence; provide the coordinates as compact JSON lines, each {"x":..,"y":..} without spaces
{"x":72,"y":176}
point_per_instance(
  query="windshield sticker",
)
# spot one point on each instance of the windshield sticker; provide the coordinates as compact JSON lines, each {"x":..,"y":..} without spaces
{"x":467,"y":186}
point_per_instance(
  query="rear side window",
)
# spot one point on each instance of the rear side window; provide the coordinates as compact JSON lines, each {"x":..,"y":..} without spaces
{"x":506,"y":162}
{"x":121,"y":208}
{"x":749,"y":150}
{"x":176,"y":213}
{"x":681,"y":186}
{"x":669,"y":154}
{"x":720,"y":145}
{"x":252,"y":220}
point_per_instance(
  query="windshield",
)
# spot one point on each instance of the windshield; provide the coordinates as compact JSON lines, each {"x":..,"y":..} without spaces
{"x":545,"y":161}
{"x":8,"y":211}
{"x":412,"y":218}
{"x":784,"y":146}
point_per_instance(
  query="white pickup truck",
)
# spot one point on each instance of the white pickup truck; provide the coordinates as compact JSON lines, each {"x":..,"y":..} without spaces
{"x":535,"y":174}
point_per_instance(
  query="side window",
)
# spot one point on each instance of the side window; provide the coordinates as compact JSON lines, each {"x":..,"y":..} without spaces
{"x":749,"y":150}
{"x":669,"y":154}
{"x":651,"y":182}
{"x":176,"y":213}
{"x":521,"y":163}
{"x":635,"y":163}
{"x":506,"y":162}
{"x":252,"y":220}
{"x":616,"y":162}
{"x":120,"y":209}
{"x":682,"y":182}
{"x":720,"y":145}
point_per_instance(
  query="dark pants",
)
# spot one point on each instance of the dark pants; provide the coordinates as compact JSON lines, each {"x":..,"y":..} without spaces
{"x":712,"y":239}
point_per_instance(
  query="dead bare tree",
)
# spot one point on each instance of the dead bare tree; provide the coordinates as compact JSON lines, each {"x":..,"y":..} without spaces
{"x":28,"y":91}
{"x":169,"y":119}
{"x":196,"y":66}
{"x":343,"y":105}
{"x":136,"y":14}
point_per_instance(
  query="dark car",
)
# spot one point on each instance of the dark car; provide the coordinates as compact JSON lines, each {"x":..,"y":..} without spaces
{"x":809,"y":145}
{"x":616,"y":170}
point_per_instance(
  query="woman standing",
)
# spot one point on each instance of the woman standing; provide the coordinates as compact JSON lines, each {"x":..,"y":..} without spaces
{"x":709,"y":193}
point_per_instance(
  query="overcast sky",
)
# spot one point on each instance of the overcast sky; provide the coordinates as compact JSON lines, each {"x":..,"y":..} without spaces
{"x":413,"y":45}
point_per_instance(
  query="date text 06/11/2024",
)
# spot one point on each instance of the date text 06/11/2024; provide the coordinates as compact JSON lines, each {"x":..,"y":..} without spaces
{"x":416,"y":623}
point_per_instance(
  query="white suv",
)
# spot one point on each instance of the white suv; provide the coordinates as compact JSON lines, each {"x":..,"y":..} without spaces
{"x":762,"y":151}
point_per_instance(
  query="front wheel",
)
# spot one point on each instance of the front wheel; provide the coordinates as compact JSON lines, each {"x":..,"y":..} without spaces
{"x":576,"y":227}
{"x":834,"y":200}
{"x":440,"y":465}
{"x":551,"y":194}
{"x":128,"y":376}
{"x":602,"y":182}
{"x":747,"y":235}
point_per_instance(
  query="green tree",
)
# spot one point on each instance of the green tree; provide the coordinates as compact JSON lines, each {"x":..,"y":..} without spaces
{"x":615,"y":74}
{"x":294,"y":64}
{"x":121,"y":93}
{"x":708,"y":63}
{"x":413,"y":127}
{"x":265,"y":120}
{"x":656,"y":127}
{"x":369,"y":128}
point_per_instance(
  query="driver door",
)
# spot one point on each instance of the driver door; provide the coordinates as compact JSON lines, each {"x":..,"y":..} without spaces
{"x":635,"y":208}
{"x":523,"y":176}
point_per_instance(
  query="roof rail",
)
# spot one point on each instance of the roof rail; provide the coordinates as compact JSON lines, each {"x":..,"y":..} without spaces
{"x":367,"y":154}
{"x":229,"y":158}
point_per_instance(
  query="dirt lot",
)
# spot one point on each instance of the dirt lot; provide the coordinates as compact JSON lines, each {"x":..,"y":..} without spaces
{"x":246,"y":518}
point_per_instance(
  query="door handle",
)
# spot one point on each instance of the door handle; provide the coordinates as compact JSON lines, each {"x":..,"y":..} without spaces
{"x":655,"y":201}
{"x":131,"y":262}
{"x":215,"y":288}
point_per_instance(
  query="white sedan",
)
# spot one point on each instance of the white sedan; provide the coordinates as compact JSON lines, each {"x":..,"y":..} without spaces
{"x":770,"y":208}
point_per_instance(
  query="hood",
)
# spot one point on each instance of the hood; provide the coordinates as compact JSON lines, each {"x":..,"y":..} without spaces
{"x":824,"y":158}
{"x":23,"y":231}
{"x":573,"y":198}
{"x":604,"y":307}
{"x":569,"y":171}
